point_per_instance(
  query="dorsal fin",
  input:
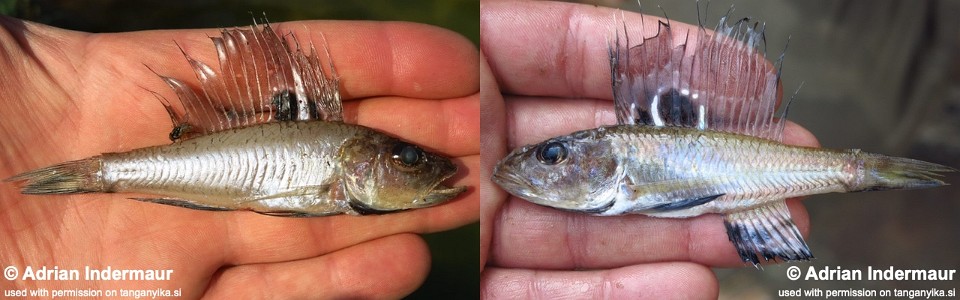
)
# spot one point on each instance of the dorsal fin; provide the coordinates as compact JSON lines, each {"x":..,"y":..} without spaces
{"x":262,"y":77}
{"x":713,"y":80}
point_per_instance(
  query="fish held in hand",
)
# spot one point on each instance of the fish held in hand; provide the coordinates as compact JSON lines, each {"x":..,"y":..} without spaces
{"x":265,"y":134}
{"x":698,"y":131}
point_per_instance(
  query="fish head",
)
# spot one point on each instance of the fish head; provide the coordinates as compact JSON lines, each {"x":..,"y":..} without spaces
{"x":385,"y":175}
{"x":570,"y":173}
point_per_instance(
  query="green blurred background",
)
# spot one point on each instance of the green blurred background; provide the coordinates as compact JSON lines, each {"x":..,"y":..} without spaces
{"x":455,"y":273}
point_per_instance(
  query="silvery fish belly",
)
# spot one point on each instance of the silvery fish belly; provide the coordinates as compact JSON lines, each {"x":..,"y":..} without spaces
{"x":265,"y":134}
{"x":699,"y":132}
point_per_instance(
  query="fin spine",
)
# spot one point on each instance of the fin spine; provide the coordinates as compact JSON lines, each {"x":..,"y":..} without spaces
{"x":722,"y":82}
{"x":255,"y":65}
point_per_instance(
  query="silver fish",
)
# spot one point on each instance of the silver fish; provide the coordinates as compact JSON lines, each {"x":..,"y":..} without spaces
{"x":265,"y":134}
{"x":699,"y":132}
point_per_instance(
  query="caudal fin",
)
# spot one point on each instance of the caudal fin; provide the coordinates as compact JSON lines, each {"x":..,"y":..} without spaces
{"x":888,"y":173}
{"x":79,"y":176}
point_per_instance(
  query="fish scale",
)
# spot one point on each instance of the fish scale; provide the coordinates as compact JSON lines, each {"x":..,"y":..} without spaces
{"x":698,"y":134}
{"x":216,"y":171}
{"x":265,"y":133}
{"x":717,"y":153}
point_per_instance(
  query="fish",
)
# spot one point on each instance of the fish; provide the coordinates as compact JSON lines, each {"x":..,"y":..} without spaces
{"x":264,"y":133}
{"x":699,"y":131}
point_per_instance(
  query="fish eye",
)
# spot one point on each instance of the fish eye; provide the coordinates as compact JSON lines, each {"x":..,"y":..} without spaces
{"x":407,"y":154}
{"x":552,"y":153}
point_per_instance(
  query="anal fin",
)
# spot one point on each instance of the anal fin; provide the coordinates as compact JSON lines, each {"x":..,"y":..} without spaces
{"x":313,"y":201}
{"x":768,"y":231}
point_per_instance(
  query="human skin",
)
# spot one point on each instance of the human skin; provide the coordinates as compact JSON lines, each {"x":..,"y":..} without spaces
{"x":548,"y":76}
{"x":68,"y":95}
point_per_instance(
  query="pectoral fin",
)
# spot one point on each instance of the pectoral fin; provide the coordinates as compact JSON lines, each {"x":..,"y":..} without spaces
{"x":183,"y":203}
{"x":292,"y":214}
{"x":313,"y":201}
{"x":768,"y":231}
{"x":685,"y":203}
{"x":667,"y":198}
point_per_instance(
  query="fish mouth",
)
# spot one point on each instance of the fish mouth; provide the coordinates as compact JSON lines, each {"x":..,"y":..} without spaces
{"x":502,"y":179}
{"x":440,"y":193}
{"x":512,"y":183}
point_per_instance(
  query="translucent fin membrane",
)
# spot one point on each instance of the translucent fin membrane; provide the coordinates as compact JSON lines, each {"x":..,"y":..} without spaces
{"x":717,"y":81}
{"x":768,"y":231}
{"x":262,"y":77}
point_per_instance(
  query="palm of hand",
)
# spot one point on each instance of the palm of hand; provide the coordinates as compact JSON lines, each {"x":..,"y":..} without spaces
{"x":69,"y":95}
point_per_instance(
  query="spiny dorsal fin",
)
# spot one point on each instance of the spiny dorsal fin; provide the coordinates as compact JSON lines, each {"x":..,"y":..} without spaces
{"x":768,"y":231}
{"x":721,"y":81}
{"x":262,"y":77}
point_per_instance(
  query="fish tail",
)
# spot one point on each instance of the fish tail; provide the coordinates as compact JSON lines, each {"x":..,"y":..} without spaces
{"x":72,"y":177}
{"x":882,"y":172}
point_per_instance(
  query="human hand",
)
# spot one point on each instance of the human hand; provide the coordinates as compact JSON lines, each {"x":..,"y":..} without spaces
{"x":69,"y":95}
{"x":549,"y":61}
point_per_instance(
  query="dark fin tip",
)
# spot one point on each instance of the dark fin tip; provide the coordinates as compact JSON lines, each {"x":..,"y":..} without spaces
{"x":686,"y":203}
{"x":289,"y":214}
{"x":766,"y":231}
{"x":595,"y":211}
{"x":182,"y":203}
{"x":364,"y":209}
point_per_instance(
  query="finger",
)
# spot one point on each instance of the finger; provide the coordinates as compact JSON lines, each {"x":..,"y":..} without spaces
{"x":450,"y":126}
{"x":408,"y":60}
{"x":555,"y":49}
{"x":531,"y":236}
{"x":35,"y":110}
{"x":372,"y":58}
{"x":648,"y":281}
{"x":254,"y":238}
{"x":535,"y":119}
{"x":245,"y":237}
{"x":391,"y":267}
{"x":562,"y":50}
{"x":492,"y":141}
{"x":399,"y":58}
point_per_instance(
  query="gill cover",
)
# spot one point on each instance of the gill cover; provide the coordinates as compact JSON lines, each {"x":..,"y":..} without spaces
{"x":383,"y":174}
{"x":564,"y":172}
